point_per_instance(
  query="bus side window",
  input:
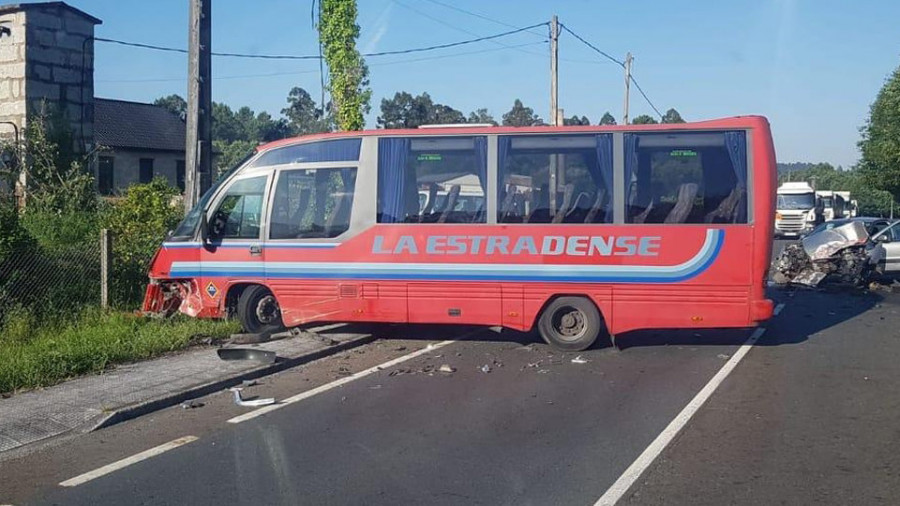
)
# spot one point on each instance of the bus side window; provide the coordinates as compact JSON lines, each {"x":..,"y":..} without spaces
{"x":312,"y":203}
{"x":555,"y":179}
{"x":692,"y":177}
{"x":238,"y":214}
{"x":432,"y":179}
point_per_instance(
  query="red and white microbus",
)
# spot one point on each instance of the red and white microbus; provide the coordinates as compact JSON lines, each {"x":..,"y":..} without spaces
{"x":576,"y":230}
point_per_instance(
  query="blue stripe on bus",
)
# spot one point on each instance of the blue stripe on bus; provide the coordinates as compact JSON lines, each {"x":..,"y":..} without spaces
{"x":462,"y":272}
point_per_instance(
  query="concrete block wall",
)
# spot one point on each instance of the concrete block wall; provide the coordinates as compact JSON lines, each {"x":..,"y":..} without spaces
{"x":47,"y":57}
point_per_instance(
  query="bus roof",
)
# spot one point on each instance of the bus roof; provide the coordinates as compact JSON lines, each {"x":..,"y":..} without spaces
{"x":723,"y":123}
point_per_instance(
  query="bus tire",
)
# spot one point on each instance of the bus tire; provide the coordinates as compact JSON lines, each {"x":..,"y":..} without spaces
{"x":258,"y":311}
{"x":570,"y":323}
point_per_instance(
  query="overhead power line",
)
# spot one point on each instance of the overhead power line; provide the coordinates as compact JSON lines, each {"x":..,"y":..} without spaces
{"x":595,"y":48}
{"x":638,"y":86}
{"x":299,"y":72}
{"x":481,"y":16}
{"x":460,"y":29}
{"x":616,"y":61}
{"x":317,"y":57}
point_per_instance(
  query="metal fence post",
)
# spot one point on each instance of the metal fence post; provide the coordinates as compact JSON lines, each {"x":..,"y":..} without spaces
{"x":105,"y":266}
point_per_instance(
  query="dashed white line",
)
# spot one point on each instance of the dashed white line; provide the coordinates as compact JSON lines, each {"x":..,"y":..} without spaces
{"x":778,"y":309}
{"x":637,"y":468}
{"x":334,"y":384}
{"x":115,"y":466}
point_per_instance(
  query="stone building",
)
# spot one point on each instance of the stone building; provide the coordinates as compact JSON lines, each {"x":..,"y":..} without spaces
{"x":47,"y":60}
{"x":47,"y":56}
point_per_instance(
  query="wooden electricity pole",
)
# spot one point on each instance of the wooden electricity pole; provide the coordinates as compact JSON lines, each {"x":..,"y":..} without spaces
{"x":554,"y":69}
{"x":628,"y":59}
{"x":198,"y":142}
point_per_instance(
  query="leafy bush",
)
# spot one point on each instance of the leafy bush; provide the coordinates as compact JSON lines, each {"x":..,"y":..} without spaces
{"x":139,"y":222}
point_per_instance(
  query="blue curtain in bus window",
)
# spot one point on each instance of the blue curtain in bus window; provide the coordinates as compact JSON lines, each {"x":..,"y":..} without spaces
{"x":631,"y":163}
{"x":602,"y":173}
{"x":504,"y":144}
{"x":392,"y":155}
{"x":481,"y":161}
{"x":736,"y":144}
{"x":338,"y":150}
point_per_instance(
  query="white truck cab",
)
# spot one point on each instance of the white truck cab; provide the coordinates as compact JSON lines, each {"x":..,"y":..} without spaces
{"x":795,"y":209}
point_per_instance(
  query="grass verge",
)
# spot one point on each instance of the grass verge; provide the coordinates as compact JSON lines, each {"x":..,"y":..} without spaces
{"x":37,"y":357}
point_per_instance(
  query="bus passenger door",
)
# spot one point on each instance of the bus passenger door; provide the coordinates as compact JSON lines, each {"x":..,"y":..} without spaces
{"x":311,"y":209}
{"x":233,"y":252}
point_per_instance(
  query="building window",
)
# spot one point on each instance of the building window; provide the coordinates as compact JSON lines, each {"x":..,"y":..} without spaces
{"x":691,"y":177}
{"x":179,"y":174}
{"x":312,"y":204}
{"x":105,"y":177}
{"x":146,"y":168}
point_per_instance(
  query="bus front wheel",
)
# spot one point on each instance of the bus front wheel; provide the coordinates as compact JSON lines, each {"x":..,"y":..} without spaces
{"x":570,"y":323}
{"x":258,"y":311}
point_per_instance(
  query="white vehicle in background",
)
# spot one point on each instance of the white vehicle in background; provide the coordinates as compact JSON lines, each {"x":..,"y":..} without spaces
{"x":795,"y":209}
{"x":836,"y":204}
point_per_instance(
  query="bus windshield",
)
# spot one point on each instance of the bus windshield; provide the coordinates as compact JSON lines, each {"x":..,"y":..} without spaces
{"x":188,"y":226}
{"x":796,"y":201}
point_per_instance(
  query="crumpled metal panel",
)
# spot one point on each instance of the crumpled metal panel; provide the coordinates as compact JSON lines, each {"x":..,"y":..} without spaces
{"x":827,"y":243}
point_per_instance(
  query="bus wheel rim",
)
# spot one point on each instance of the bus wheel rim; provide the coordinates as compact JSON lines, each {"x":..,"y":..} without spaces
{"x":569,"y":323}
{"x":267,"y":309}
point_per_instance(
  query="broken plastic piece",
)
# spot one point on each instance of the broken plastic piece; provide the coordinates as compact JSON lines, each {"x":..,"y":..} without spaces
{"x":446,"y":368}
{"x":580,"y":360}
{"x":485,"y":368}
{"x":267,"y":357}
{"x":191,"y":404}
{"x":252,"y":403}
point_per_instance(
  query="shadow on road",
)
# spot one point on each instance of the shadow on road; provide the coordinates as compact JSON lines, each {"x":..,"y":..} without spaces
{"x":807,"y":312}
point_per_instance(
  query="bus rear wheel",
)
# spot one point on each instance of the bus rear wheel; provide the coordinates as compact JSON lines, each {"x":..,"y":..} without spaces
{"x":570,"y":323}
{"x":258,"y":311}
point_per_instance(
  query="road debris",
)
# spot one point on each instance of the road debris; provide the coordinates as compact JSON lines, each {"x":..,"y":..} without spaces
{"x":192,"y":404}
{"x":446,"y":368}
{"x":580,"y":360}
{"x":249,"y":383}
{"x":266,"y":357}
{"x":841,"y":254}
{"x":485,"y":368}
{"x":249,"y":403}
{"x":723,"y":356}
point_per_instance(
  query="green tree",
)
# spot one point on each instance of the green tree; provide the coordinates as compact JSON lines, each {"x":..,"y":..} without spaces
{"x":607,"y":119}
{"x":576,"y":121}
{"x":228,"y":154}
{"x":304,"y":115}
{"x":880,"y":143}
{"x":644,"y":119}
{"x":174,"y":103}
{"x":672,"y":116}
{"x":520,"y":115}
{"x":348,"y":72}
{"x":407,"y":111}
{"x":481,"y":116}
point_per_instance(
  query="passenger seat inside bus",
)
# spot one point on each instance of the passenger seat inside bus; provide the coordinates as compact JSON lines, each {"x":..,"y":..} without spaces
{"x":727,"y":210}
{"x":687,"y":193}
{"x":452,"y":197}
{"x":339,"y":220}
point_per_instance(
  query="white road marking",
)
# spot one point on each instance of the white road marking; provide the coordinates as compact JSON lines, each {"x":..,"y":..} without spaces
{"x":115,"y":466}
{"x":334,"y":384}
{"x":637,"y":468}
{"x":778,"y":309}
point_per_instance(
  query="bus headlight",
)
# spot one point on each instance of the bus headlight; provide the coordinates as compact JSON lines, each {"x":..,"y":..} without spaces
{"x":778,"y":216}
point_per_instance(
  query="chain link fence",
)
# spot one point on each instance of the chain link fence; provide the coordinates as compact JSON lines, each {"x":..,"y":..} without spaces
{"x":58,"y":283}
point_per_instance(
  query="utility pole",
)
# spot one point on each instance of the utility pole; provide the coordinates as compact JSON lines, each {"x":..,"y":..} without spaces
{"x":554,"y":70}
{"x":198,"y":142}
{"x":628,"y":59}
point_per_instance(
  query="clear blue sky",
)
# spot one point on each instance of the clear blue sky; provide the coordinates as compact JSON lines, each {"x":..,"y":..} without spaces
{"x":811,"y":66}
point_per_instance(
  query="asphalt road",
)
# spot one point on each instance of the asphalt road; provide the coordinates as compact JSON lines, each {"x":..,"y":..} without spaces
{"x":808,"y":416}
